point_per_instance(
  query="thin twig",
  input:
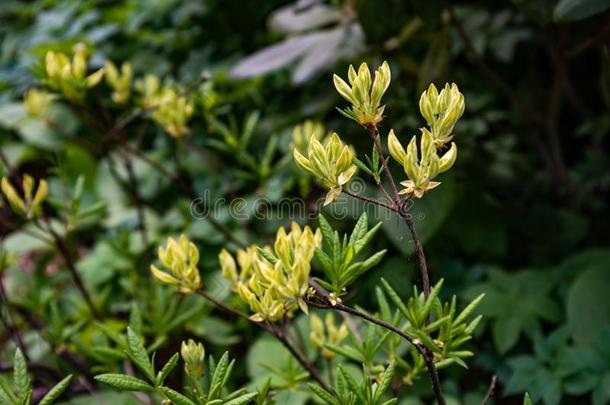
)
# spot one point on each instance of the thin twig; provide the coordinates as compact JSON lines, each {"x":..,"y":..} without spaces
{"x":419,"y":251}
{"x":370,"y":200}
{"x":490,"y":391}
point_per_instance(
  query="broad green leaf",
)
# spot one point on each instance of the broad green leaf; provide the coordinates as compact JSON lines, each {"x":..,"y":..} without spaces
{"x":587,"y":303}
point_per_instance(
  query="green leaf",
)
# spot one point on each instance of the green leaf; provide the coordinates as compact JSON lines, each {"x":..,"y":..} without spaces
{"x":323,"y":394}
{"x":167,"y":368}
{"x":21,"y":380}
{"x":571,"y":10}
{"x":351,"y":382}
{"x":362,"y":166}
{"x":358,"y":269}
{"x":346,"y":351}
{"x":176,"y":397}
{"x":219,"y":375}
{"x":395,"y":298}
{"x":267,"y":255}
{"x":468,"y":310}
{"x":366,"y":238}
{"x":526,"y":399}
{"x":138,"y":354}
{"x":385,"y":381}
{"x":327,"y":231}
{"x":243,"y":399}
{"x":359,"y":229}
{"x":124,"y":382}
{"x":56,"y":391}
{"x":587,"y":303}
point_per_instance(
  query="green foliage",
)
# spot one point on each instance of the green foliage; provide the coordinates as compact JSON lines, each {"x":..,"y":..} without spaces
{"x":348,"y":391}
{"x":19,"y":391}
{"x":337,"y":257}
{"x":522,"y":216}
{"x":212,"y":393}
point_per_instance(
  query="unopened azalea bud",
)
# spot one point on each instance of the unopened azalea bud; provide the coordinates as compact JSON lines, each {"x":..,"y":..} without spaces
{"x":37,"y":103}
{"x":193,"y":355}
{"x":442,"y":111}
{"x":326,"y":332}
{"x":331,"y":164}
{"x":364,"y":93}
{"x":180,"y":259}
{"x":274,"y":282}
{"x":69,"y":77}
{"x":422,"y":165}
{"x":119,"y":81}
{"x":29,"y":205}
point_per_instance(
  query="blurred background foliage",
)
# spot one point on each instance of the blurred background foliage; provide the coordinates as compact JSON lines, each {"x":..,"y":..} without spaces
{"x":523,"y":216}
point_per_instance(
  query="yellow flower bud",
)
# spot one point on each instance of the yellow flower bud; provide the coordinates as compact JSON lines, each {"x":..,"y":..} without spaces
{"x":442,"y":111}
{"x":29,"y":205}
{"x":423,"y":165}
{"x":193,"y":355}
{"x":331,"y":164}
{"x":364,"y":94}
{"x":120,"y":82}
{"x":37,"y":103}
{"x":327,"y":332}
{"x":69,"y":76}
{"x":171,"y":110}
{"x":180,"y":259}
{"x":274,"y":281}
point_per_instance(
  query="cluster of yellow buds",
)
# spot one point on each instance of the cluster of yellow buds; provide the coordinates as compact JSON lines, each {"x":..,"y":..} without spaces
{"x":423,"y":166}
{"x":180,"y":259}
{"x":302,"y":134}
{"x":364,"y":93}
{"x":331,"y":163}
{"x":120,"y":81}
{"x":37,"y":103}
{"x":69,"y":77}
{"x":273,"y":282}
{"x":171,"y":109}
{"x":442,"y":111}
{"x":29,"y":204}
{"x":326,"y":332}
{"x":193,"y":355}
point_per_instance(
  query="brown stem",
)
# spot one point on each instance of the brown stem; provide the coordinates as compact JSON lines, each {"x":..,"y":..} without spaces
{"x":269,"y":328}
{"x":400,"y":208}
{"x":490,"y":391}
{"x":313,"y":371}
{"x":419,"y":251}
{"x":369,"y":200}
